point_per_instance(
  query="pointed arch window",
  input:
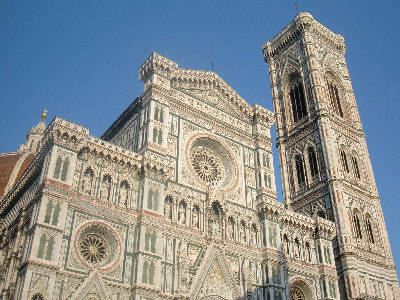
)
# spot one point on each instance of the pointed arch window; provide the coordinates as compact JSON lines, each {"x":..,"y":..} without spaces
{"x":335,"y":98}
{"x":45,"y":247}
{"x":357,"y":226}
{"x":355,"y":167}
{"x":300,"y":170}
{"x":369,"y":231}
{"x":343,"y":158}
{"x":297,"y":100}
{"x":312,"y":160}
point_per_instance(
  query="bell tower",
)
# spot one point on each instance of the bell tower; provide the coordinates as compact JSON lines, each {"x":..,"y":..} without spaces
{"x":325,"y":166}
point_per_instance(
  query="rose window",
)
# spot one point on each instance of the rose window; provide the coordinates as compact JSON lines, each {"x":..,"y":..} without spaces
{"x":94,"y":249}
{"x":97,"y":245}
{"x":207,"y":165}
{"x":296,"y":294}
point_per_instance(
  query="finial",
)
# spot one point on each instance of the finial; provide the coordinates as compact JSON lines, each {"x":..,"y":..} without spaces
{"x":44,"y":114}
{"x":297,"y":9}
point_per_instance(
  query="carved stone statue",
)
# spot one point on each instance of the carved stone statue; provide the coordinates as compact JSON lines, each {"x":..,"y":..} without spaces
{"x":168,"y":210}
{"x":104,"y":191}
{"x":182,"y":215}
{"x":195,"y":219}
{"x":123,"y":196}
{"x":87,"y":184}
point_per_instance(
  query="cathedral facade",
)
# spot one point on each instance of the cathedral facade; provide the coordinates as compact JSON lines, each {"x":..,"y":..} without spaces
{"x":177,"y":199}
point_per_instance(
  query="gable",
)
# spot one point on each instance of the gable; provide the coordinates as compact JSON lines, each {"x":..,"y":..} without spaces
{"x":213,"y":90}
{"x":215,"y":280}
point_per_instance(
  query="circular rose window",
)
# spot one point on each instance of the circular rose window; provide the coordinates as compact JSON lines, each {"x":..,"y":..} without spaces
{"x":97,"y":245}
{"x":211,"y":162}
{"x":207,"y":165}
{"x":94,"y":248}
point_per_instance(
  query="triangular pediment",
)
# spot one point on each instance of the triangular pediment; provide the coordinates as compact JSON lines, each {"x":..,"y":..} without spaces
{"x":215,"y":280}
{"x":211,"y":89}
{"x":92,"y":288}
{"x":215,"y":99}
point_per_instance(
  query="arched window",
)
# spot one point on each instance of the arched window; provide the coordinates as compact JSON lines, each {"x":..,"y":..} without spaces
{"x":151,"y":273}
{"x":297,"y":99}
{"x":334,"y":97}
{"x":65,"y":170}
{"x":157,"y":136}
{"x":147,"y":241}
{"x":42,"y":245}
{"x":153,"y":242}
{"x":369,"y":231}
{"x":265,"y":180}
{"x":300,"y":170}
{"x":355,"y":167}
{"x":57,"y":168}
{"x":45,"y":247}
{"x":159,"y":114}
{"x":145,"y":272}
{"x":49,"y":249}
{"x":56,"y":214}
{"x":156,"y":112}
{"x":49,"y":210}
{"x":312,"y":160}
{"x":357,"y":226}
{"x":343,"y":159}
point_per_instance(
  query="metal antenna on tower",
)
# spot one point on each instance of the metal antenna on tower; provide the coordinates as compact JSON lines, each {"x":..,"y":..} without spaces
{"x":297,"y":9}
{"x":212,"y":64}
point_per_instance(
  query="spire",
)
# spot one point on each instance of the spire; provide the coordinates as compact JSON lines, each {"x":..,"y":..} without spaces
{"x":34,"y":136}
{"x":40,"y":127}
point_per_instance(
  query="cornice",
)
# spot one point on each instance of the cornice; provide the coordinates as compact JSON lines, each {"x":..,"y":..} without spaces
{"x":302,"y":24}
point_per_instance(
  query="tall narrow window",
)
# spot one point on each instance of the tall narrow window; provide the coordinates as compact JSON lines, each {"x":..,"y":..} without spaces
{"x":300,"y":170}
{"x":155,"y":133}
{"x":57,"y":168}
{"x":160,"y":136}
{"x":147,"y":241}
{"x":42,"y":245}
{"x":312,"y":160}
{"x":156,"y":112}
{"x":355,"y":167}
{"x":297,"y":100}
{"x":65,"y":170}
{"x":49,"y":249}
{"x":151,"y":273}
{"x":153,"y":243}
{"x":145,"y":271}
{"x":335,"y":99}
{"x":161,"y":115}
{"x":49,"y":210}
{"x":56,"y":214}
{"x":343,"y":159}
{"x":357,"y":227}
{"x":150,"y":200}
{"x":369,"y":231}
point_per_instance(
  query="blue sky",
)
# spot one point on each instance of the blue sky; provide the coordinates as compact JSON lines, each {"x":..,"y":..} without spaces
{"x":80,"y":60}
